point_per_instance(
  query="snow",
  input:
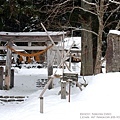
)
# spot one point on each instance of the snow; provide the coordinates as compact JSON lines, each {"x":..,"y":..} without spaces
{"x":68,"y":41}
{"x":31,"y":33}
{"x":99,"y":99}
{"x":115,"y":32}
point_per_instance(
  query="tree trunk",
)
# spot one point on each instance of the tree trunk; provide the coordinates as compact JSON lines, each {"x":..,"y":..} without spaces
{"x":100,"y":11}
{"x":86,"y":45}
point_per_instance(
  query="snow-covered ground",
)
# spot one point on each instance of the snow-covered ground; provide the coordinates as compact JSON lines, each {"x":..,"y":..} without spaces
{"x":99,"y":100}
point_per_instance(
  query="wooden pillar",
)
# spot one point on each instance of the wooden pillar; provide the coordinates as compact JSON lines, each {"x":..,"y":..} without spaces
{"x":12,"y":79}
{"x":41,"y":104}
{"x":41,"y":98}
{"x":8,"y":67}
{"x":1,"y":78}
{"x":50,"y":72}
{"x":50,"y":67}
{"x":69,"y":80}
{"x":70,"y":61}
{"x":86,"y":42}
{"x":63,"y":89}
{"x":29,"y":43}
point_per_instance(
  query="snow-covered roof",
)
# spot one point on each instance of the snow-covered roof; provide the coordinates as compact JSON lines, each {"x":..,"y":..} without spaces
{"x":114,"y":32}
{"x":31,"y":36}
{"x":31,"y":33}
{"x":69,"y":41}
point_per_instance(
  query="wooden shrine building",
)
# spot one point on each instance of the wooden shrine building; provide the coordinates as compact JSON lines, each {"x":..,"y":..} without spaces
{"x":43,"y":40}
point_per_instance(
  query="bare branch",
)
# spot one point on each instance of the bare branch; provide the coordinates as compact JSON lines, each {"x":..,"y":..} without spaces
{"x":113,"y":1}
{"x":64,"y":2}
{"x":90,"y":31}
{"x":55,"y":9}
{"x":86,"y":10}
{"x":111,"y":14}
{"x":81,"y":29}
{"x":89,"y":2}
{"x":113,"y":22}
{"x":52,"y":13}
{"x":118,"y":25}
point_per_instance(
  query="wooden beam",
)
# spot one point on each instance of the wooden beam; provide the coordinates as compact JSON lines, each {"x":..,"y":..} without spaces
{"x":46,"y":86}
{"x":55,"y":46}
{"x":28,"y":39}
{"x":67,"y":53}
{"x":24,"y":47}
{"x":29,"y":48}
{"x":30,"y":36}
{"x":51,"y":39}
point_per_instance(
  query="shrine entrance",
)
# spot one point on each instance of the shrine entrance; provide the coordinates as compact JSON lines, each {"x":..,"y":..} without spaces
{"x":33,"y":41}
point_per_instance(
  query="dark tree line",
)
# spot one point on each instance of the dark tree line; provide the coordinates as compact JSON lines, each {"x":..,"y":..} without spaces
{"x":26,"y":15}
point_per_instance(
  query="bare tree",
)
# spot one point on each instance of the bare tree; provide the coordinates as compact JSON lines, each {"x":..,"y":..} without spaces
{"x":100,"y":8}
{"x":97,"y":8}
{"x":55,"y":13}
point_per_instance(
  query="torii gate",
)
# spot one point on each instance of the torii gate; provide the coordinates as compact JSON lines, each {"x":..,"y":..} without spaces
{"x":29,"y":38}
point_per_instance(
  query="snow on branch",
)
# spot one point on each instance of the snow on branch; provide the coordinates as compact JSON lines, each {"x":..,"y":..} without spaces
{"x":64,"y":2}
{"x":90,"y":31}
{"x":82,"y":29}
{"x":89,"y":2}
{"x":113,"y":1}
{"x":118,"y":25}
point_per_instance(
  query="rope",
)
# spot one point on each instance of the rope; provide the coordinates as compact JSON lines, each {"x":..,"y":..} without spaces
{"x":27,"y":54}
{"x":20,"y":59}
{"x":28,"y":60}
{"x":37,"y":58}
